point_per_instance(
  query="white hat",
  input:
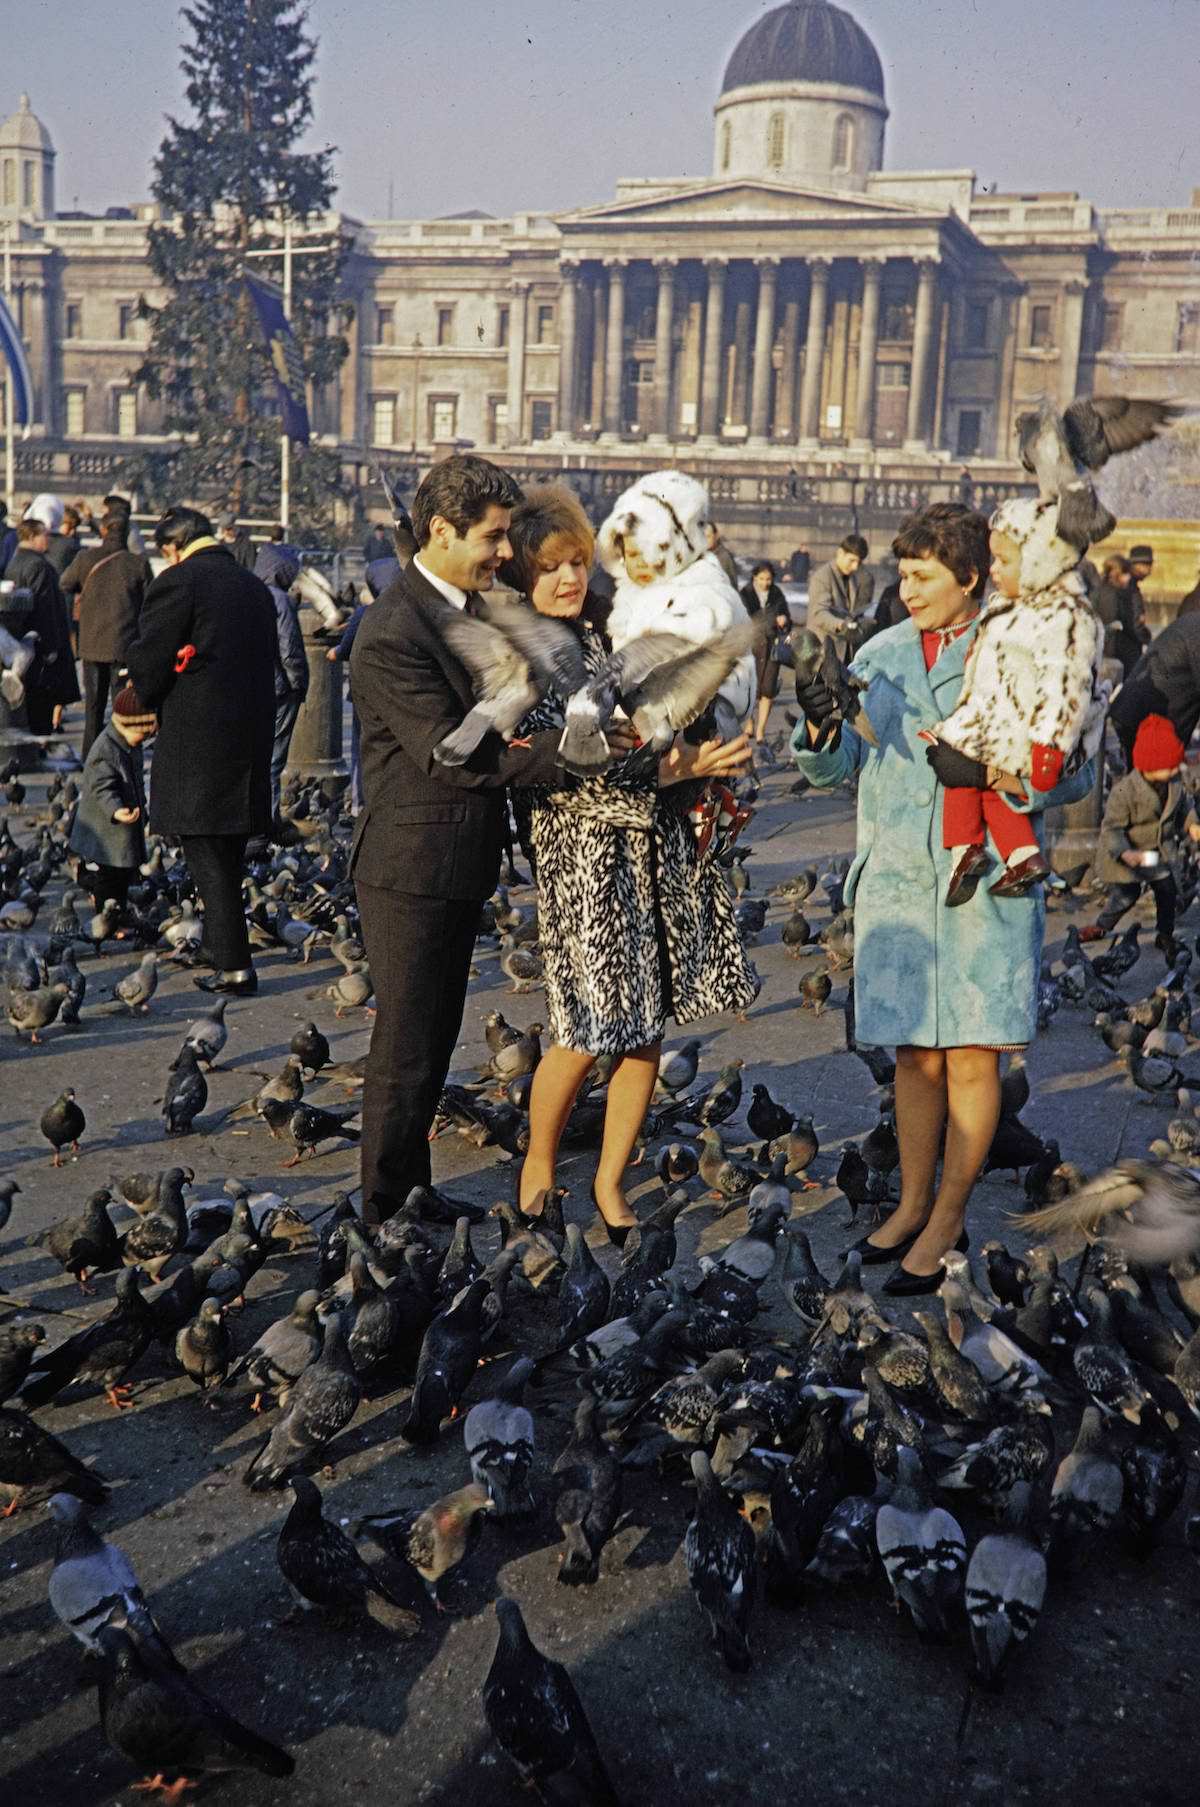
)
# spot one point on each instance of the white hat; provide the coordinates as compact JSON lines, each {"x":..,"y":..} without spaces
{"x":1032,"y":524}
{"x":664,"y":515}
{"x":47,"y":509}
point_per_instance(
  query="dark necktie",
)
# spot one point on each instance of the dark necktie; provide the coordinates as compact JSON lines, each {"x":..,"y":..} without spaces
{"x":473,"y":605}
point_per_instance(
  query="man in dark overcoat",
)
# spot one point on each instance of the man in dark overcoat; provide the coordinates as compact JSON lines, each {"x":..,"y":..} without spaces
{"x":110,"y":583}
{"x":204,"y":658}
{"x":50,"y":681}
{"x":427,"y":847}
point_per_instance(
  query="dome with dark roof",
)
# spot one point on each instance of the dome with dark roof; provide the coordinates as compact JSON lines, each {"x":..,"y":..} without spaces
{"x":806,"y":41}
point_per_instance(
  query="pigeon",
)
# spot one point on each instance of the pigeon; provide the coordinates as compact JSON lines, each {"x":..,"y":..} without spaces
{"x":309,"y":1126}
{"x":796,"y":934}
{"x":379,"y":1334}
{"x":202,"y":1348}
{"x":150,"y":1241}
{"x":186,"y":1093}
{"x":61,"y":1123}
{"x":1101,"y":1365}
{"x":589,"y":1505}
{"x":498,"y":1435}
{"x":1004,"y":1589}
{"x":722,"y":1098}
{"x":86,"y":1243}
{"x":322,"y":1403}
{"x":958,"y":1382}
{"x":720,"y":1553}
{"x":804,"y":1286}
{"x":137,"y":988}
{"x":583,"y":1294}
{"x":677,"y":1163}
{"x":537,"y":1718}
{"x":814,"y":992}
{"x":449,"y":1352}
{"x":432,"y":1541}
{"x":351,"y":991}
{"x":285,"y":1090}
{"x":8,"y":1191}
{"x":766,"y":1118}
{"x":208,"y":1034}
{"x":1154,"y":1472}
{"x":310,"y":1048}
{"x":30,"y":1011}
{"x":801,"y":1147}
{"x":32,"y":1461}
{"x":276,"y":1361}
{"x":1085,"y":1497}
{"x":92,"y":1581}
{"x":725,"y":1178}
{"x":521,"y":965}
{"x":922,"y":1548}
{"x":514,"y":657}
{"x":103,"y":1351}
{"x":18,"y":1346}
{"x":322,"y":1567}
{"x":1151,"y":1212}
{"x":155,"y":1716}
{"x":1061,"y":450}
{"x":677,"y":1067}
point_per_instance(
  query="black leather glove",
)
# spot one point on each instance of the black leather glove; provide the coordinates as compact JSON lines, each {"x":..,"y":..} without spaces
{"x":954,"y":769}
{"x":820,"y":711}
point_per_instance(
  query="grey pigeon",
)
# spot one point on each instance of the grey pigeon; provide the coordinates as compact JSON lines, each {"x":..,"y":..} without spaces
{"x":202,"y":1348}
{"x":186,"y":1094}
{"x":922,"y":1548}
{"x":277,"y":1360}
{"x":92,"y":1581}
{"x":31,"y":1011}
{"x":208,"y":1034}
{"x":322,"y":1403}
{"x":498,"y":1435}
{"x":322,"y":1567}
{"x":137,"y":988}
{"x":1005,"y":1587}
{"x":514,"y":658}
{"x":719,"y":1549}
{"x":1061,"y":450}
{"x":18,"y":1345}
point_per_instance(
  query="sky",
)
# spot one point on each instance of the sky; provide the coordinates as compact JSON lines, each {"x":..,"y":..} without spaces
{"x":504,"y":105}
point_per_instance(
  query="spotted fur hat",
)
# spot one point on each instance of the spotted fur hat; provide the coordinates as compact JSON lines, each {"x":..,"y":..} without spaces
{"x":1033,"y":525}
{"x":664,"y":514}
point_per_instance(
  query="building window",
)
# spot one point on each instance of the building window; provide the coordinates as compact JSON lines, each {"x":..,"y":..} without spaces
{"x":775,"y":141}
{"x":73,"y":412}
{"x":895,"y":376}
{"x":443,"y":417}
{"x":383,"y":420}
{"x":10,"y":181}
{"x":27,"y":185}
{"x":1041,"y":326}
{"x":725,"y":144}
{"x":1110,"y":326}
{"x":843,"y":142}
{"x":541,"y":420}
{"x":73,"y":320}
{"x":970,"y":421}
{"x":127,"y":421}
{"x":545,"y":324}
{"x":498,"y":419}
{"x":1187,"y":328}
{"x":897,"y":320}
{"x":385,"y":326}
{"x":502,"y":317}
{"x":975,"y":326}
{"x":445,"y":326}
{"x":126,"y":317}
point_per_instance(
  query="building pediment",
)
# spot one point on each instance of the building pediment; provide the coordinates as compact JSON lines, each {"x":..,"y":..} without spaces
{"x":740,"y":200}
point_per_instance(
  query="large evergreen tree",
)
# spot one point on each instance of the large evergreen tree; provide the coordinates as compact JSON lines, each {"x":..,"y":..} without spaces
{"x":224,"y":179}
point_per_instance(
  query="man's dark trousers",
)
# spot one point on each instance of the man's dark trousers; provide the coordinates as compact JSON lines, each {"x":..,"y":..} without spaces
{"x":215,"y":862}
{"x":97,"y":680}
{"x":419,"y":951}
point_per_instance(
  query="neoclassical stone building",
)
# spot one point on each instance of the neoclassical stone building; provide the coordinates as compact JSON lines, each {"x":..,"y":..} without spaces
{"x":809,"y":330}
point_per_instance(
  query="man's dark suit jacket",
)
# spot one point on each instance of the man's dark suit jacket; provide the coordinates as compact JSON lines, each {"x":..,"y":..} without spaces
{"x":435,"y":831}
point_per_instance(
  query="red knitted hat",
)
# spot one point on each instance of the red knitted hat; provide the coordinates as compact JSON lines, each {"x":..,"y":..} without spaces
{"x":1157,"y":748}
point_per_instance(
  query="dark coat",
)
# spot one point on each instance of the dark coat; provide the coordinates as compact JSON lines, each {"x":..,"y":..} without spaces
{"x":1190,"y":604}
{"x":110,"y":601}
{"x":1165,"y":681}
{"x":62,"y":549}
{"x":112,"y":779}
{"x":212,"y":763}
{"x":279,"y":567}
{"x":1115,"y":607}
{"x":53,"y":671}
{"x":432,"y":830}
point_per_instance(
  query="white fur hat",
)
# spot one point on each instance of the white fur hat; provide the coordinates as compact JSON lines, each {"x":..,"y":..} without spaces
{"x":1033,"y":525}
{"x":664,"y":515}
{"x":48,"y":509}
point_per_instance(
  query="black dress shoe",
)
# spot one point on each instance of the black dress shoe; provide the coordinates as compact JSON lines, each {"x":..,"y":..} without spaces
{"x":1019,"y":880}
{"x":873,"y":1256}
{"x":964,"y":880}
{"x":903,"y":1285}
{"x":233,"y":988}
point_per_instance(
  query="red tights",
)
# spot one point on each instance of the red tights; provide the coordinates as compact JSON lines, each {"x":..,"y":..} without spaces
{"x":966,"y":814}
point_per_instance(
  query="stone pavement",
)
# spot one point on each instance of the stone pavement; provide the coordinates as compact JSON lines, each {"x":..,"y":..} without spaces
{"x":844,"y":1704}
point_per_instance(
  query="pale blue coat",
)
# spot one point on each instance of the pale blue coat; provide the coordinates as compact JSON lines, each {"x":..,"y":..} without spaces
{"x":926,"y":976}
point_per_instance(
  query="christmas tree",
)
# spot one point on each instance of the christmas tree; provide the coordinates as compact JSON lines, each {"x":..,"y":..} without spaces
{"x":225,"y":180}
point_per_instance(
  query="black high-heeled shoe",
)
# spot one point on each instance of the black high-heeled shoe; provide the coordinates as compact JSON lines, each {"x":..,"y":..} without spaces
{"x":903,"y":1285}
{"x":873,"y":1256}
{"x":617,"y":1233}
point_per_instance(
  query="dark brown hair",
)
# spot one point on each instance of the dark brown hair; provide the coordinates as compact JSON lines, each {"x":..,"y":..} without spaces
{"x":461,"y":489}
{"x":29,"y":529}
{"x":957,"y":536}
{"x":551,"y":520}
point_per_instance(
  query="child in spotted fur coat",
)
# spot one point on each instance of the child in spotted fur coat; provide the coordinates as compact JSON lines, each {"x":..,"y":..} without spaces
{"x":1031,"y":701}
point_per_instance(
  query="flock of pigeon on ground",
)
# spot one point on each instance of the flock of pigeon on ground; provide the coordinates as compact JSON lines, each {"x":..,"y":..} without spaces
{"x":965,"y":1463}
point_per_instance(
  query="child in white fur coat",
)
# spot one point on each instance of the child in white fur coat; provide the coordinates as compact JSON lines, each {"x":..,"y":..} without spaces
{"x":652,"y":544}
{"x":1031,"y":695}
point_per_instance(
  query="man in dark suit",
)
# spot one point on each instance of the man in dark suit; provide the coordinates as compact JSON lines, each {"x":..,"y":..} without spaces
{"x":427,"y":848}
{"x":204,"y":658}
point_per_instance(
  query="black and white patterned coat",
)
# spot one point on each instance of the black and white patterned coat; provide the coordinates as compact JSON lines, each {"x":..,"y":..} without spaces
{"x":635,"y":925}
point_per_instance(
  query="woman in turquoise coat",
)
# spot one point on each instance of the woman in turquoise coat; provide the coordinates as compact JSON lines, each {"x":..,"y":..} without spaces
{"x":948,"y":987}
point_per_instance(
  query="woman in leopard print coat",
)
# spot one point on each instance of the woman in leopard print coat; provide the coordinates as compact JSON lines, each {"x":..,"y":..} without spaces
{"x":636,"y":926}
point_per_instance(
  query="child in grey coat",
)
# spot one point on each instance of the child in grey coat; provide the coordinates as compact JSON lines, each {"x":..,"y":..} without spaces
{"x":109,"y":831}
{"x":1139,"y":834}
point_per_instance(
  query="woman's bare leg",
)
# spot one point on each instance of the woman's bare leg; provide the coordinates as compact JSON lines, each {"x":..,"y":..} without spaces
{"x":973,"y":1110}
{"x":920,"y":1114}
{"x":630,"y":1090}
{"x":764,"y":715}
{"x":556,"y":1082}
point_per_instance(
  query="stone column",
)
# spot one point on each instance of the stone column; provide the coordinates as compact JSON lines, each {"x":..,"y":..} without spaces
{"x":737,"y":402}
{"x":614,"y":356}
{"x":568,"y":350}
{"x":664,"y":321}
{"x":714,"y":329}
{"x":814,"y":352}
{"x":1070,"y":338}
{"x":785,"y":393}
{"x":916,"y":432}
{"x":1010,"y":308}
{"x":764,"y":344}
{"x":599,"y":345}
{"x":316,"y":746}
{"x":518,"y":308}
{"x":868,"y":347}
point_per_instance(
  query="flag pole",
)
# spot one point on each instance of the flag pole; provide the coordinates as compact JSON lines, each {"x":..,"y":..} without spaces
{"x":10,"y":460}
{"x":285,"y":444}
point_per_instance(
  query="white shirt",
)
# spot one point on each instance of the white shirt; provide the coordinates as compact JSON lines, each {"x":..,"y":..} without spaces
{"x":454,"y":596}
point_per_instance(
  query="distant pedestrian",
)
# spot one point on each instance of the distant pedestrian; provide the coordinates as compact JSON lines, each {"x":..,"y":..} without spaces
{"x":762,"y":593}
{"x":118,"y":504}
{"x":1141,"y":563}
{"x":50,"y":682}
{"x":109,"y":831}
{"x":378,"y":544}
{"x":204,"y":657}
{"x":279,"y":567}
{"x":108,"y":583}
{"x":800,"y":563}
{"x":839,"y":595}
{"x":65,"y":543}
{"x":1189,"y":604}
{"x":1165,"y":681}
{"x":8,"y":538}
{"x":720,"y":551}
{"x":1113,"y":600}
{"x":238,"y":541}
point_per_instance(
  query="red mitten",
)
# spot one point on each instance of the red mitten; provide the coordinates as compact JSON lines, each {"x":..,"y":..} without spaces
{"x":1047,"y":767}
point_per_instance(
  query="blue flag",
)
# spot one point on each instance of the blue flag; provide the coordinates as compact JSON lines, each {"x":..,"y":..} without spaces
{"x":13,"y":351}
{"x":285,"y":357}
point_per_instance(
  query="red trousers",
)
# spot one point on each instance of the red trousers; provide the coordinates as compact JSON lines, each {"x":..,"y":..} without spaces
{"x":966,"y":813}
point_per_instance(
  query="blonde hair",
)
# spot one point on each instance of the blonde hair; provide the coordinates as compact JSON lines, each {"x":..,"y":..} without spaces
{"x":549,"y":522}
